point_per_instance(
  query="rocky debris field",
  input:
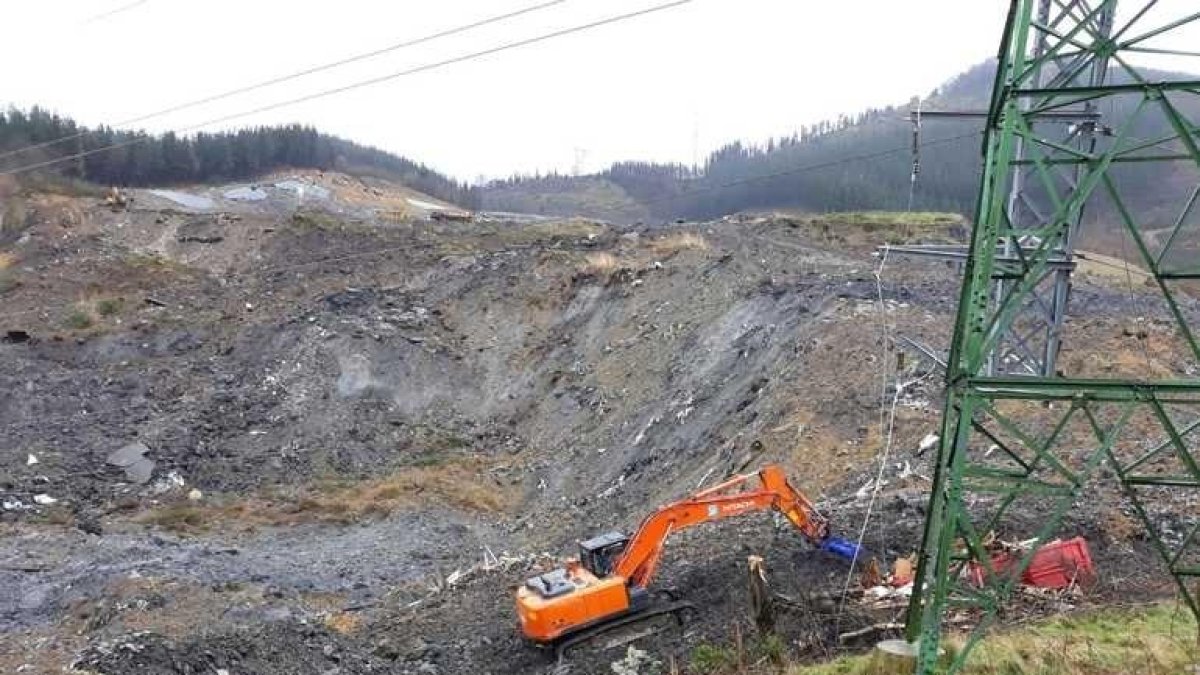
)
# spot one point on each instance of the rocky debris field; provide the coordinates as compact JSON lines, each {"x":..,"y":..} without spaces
{"x":251,"y":440}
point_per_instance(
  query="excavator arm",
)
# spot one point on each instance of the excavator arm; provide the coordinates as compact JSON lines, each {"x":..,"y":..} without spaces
{"x":609,"y":582}
{"x":640,"y":558}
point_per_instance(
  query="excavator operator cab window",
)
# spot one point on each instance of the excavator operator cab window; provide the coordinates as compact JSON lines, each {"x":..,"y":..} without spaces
{"x":599,"y":554}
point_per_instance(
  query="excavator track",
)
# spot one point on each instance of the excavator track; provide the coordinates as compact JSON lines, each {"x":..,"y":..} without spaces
{"x":637,"y":616}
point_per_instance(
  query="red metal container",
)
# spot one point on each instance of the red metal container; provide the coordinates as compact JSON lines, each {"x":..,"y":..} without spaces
{"x":1055,"y":565}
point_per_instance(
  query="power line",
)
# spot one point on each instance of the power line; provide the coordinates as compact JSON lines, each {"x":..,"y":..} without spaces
{"x":114,"y":11}
{"x":365,"y":83}
{"x":292,"y":76}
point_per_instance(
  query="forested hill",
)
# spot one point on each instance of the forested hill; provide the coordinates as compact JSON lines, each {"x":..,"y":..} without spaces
{"x":140,"y":159}
{"x":808,"y":170}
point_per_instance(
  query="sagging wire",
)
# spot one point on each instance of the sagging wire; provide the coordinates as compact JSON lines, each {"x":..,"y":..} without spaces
{"x":884,"y":411}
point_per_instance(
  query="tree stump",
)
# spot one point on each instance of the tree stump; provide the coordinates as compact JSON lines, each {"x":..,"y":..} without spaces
{"x":761,"y":601}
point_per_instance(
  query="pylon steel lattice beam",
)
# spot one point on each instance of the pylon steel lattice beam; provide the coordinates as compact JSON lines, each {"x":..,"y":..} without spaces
{"x":1020,"y":444}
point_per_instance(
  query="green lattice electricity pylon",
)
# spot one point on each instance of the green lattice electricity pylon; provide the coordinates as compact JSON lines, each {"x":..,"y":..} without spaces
{"x":1020,"y":448}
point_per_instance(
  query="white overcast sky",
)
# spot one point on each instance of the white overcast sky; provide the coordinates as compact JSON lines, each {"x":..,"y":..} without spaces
{"x":663,"y":87}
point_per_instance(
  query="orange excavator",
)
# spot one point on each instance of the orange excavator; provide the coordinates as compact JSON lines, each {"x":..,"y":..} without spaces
{"x":608,"y":585}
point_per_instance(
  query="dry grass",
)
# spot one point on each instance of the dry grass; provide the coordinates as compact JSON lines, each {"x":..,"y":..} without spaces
{"x":91,"y":310}
{"x":600,"y":265}
{"x":343,"y":622}
{"x":7,"y":274}
{"x":178,"y":517}
{"x":547,"y":231}
{"x":1111,"y":268}
{"x":461,"y":485}
{"x":679,"y":241}
{"x":873,"y":228}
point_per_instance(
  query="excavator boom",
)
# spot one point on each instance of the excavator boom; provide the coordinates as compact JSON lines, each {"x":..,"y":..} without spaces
{"x":612,"y":576}
{"x":641,"y":556}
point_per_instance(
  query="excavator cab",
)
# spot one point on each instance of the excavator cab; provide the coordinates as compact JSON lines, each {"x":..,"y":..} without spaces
{"x":599,"y":554}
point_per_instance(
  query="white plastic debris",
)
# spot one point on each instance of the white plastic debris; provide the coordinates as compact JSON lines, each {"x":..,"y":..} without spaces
{"x":928,"y":442}
{"x":44,"y":499}
{"x":864,"y":491}
{"x":172,"y":481}
{"x":13,"y":505}
{"x":195,"y":495}
{"x":31,"y":460}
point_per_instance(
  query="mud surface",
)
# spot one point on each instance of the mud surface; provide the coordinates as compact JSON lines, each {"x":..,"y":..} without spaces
{"x":365,"y":434}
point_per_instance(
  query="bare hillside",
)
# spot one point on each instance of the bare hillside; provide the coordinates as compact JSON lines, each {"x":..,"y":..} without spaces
{"x":356,"y":429}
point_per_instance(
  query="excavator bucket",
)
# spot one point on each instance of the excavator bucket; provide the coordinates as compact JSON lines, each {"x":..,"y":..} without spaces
{"x":842,"y":548}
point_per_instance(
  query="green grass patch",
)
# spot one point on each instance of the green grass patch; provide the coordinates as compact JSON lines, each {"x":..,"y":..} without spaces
{"x":108,"y":306}
{"x":316,"y":220}
{"x":887,"y":219}
{"x":715,"y":659}
{"x":709,"y":658}
{"x":58,"y":184}
{"x":12,"y":215}
{"x":144,"y":262}
{"x":1160,"y":640}
{"x":79,"y":320}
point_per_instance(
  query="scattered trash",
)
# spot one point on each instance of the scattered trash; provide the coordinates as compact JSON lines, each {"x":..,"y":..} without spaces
{"x":195,"y":495}
{"x":44,"y":499}
{"x":171,"y":481}
{"x":871,"y":576}
{"x":865,"y":491}
{"x":138,"y":468}
{"x":927,"y":443}
{"x":31,"y":460}
{"x":635,"y":661}
{"x":16,"y":336}
{"x":902,"y":571}
{"x":1057,"y":564}
{"x":14,"y":505}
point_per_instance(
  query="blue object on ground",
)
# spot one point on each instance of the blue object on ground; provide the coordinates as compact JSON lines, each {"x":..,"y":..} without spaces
{"x":843,"y":548}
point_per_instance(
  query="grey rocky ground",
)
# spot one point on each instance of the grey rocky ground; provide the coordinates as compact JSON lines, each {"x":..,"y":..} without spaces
{"x":365,"y":433}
